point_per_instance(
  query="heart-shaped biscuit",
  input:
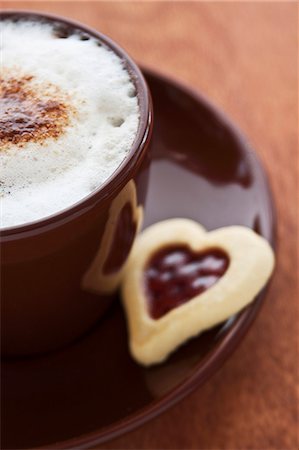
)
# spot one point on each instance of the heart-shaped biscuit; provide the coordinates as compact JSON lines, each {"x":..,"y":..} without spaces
{"x":98,"y":278}
{"x":181,"y":280}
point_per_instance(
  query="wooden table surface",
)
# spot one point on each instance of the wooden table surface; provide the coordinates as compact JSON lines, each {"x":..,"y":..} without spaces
{"x":244,"y":57}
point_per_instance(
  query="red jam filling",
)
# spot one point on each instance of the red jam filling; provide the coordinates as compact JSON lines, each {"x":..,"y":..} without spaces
{"x":176,"y":274}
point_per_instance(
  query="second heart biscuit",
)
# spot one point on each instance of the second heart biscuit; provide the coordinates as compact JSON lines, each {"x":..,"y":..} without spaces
{"x":181,"y":280}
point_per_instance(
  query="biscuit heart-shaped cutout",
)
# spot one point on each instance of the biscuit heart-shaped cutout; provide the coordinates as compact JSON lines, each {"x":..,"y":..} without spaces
{"x":181,"y":280}
{"x":174,"y":275}
{"x":105,"y":272}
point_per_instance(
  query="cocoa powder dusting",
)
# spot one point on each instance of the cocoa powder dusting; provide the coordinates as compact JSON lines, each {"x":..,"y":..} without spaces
{"x":26,"y":116}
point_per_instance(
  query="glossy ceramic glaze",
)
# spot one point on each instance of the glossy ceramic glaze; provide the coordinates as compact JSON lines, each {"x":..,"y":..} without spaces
{"x":92,"y":391}
{"x":54,"y":286}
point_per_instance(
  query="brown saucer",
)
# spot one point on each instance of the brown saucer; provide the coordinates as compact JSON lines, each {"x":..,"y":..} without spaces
{"x":92,"y":391}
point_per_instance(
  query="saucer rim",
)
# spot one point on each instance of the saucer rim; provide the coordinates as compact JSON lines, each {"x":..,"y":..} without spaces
{"x":219,"y":353}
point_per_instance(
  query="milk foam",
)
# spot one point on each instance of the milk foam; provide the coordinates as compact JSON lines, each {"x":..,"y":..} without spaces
{"x":42,"y":178}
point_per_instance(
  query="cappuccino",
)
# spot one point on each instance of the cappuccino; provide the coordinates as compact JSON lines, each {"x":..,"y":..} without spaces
{"x":69,"y":115}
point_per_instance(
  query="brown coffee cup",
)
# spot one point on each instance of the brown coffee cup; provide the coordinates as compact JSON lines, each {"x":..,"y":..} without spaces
{"x":60,"y":274}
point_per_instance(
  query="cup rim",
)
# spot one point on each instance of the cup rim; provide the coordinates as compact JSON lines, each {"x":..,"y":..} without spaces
{"x":136,"y":152}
